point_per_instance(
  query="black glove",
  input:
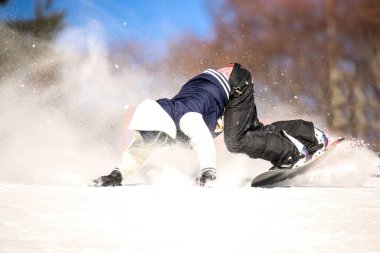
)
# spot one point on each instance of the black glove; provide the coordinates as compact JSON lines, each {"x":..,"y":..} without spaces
{"x":113,"y":179}
{"x":208,"y":174}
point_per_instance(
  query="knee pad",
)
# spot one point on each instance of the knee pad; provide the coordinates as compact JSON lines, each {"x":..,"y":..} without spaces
{"x":156,"y":138}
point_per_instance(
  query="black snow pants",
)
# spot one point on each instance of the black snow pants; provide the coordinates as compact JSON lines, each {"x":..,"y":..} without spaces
{"x":243,"y":132}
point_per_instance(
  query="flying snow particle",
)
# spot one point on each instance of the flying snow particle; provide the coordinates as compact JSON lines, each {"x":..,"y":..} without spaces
{"x":125,"y":24}
{"x":295,"y":97}
{"x":116,"y":66}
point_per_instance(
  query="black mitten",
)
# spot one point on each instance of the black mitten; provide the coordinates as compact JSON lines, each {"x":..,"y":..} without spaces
{"x":208,"y":174}
{"x":113,"y":179}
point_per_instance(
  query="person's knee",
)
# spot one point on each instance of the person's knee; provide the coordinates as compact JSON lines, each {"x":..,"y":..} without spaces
{"x":232,"y":145}
{"x":156,"y":138}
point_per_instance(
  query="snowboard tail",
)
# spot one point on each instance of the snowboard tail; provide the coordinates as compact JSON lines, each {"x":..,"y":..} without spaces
{"x":271,"y":177}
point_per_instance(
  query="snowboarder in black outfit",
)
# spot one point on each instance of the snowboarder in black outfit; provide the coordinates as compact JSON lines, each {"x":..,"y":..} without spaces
{"x":283,"y":143}
{"x":194,"y":116}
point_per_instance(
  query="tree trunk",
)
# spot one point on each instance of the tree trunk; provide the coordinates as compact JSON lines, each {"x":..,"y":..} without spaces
{"x":336,"y":118}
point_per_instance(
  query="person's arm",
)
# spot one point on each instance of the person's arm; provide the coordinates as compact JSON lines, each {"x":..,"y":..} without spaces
{"x":193,"y":125}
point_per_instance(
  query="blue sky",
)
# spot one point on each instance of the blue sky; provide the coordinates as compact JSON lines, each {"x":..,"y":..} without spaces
{"x":146,"y":20}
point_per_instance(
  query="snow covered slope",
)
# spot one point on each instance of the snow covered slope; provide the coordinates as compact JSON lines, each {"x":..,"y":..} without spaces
{"x":187,"y":219}
{"x":333,"y":208}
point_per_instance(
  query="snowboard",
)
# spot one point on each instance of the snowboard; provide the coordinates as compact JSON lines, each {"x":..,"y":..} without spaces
{"x":268,"y":178}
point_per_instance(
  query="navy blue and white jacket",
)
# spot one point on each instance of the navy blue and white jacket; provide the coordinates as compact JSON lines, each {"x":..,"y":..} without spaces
{"x":207,"y":94}
{"x":192,"y":115}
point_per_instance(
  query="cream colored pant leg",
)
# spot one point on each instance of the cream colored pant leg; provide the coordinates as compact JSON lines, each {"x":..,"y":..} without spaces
{"x":134,"y":156}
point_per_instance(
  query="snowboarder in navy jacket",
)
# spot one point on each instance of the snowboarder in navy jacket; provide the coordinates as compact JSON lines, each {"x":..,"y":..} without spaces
{"x":194,"y":117}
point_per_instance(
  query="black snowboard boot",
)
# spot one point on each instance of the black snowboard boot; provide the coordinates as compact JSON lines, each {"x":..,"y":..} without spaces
{"x":317,"y":149}
{"x":298,"y":157}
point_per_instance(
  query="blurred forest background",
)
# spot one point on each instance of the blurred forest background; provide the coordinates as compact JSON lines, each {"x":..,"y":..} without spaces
{"x":322,"y":56}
